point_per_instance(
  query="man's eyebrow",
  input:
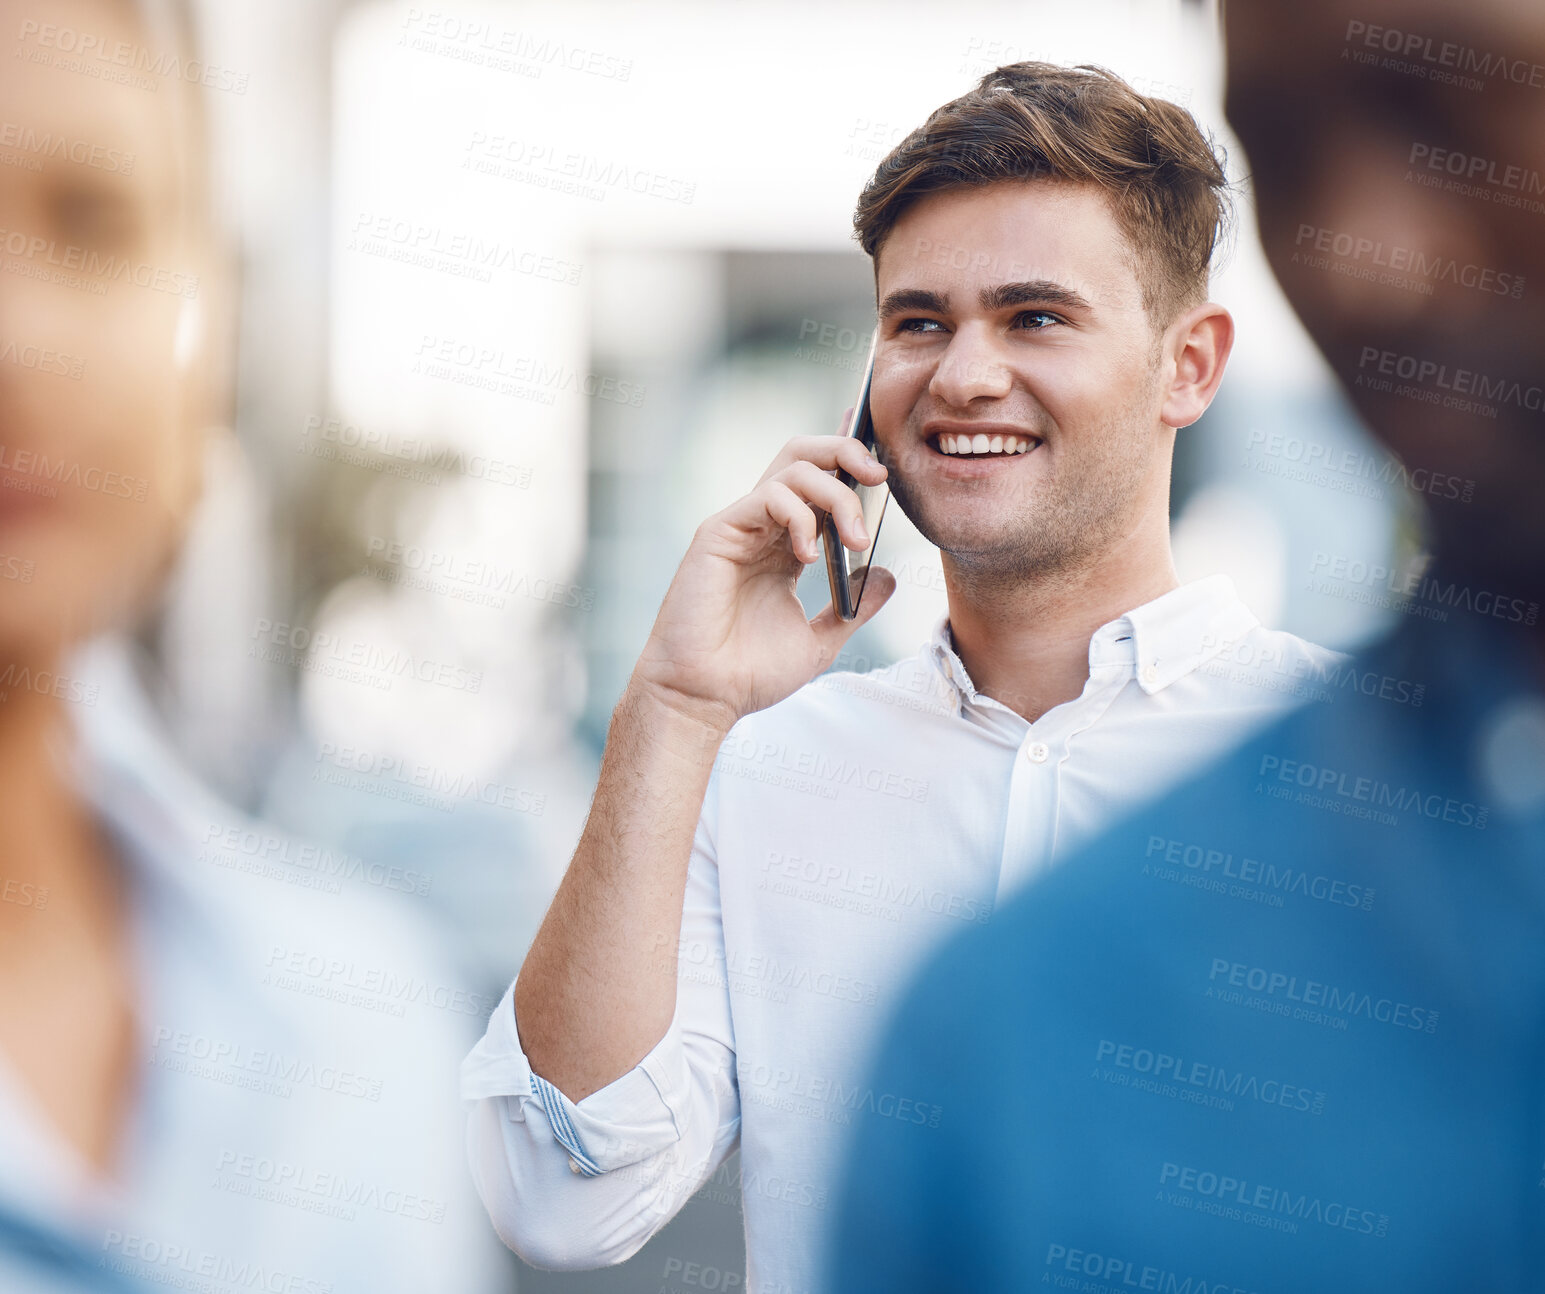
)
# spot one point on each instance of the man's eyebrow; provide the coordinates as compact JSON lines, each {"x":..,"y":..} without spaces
{"x":904,"y":299}
{"x":1041,"y":292}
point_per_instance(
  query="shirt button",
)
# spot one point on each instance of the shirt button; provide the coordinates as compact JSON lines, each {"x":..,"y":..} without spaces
{"x":573,"y":1164}
{"x":1150,"y":673}
{"x":1037,"y":752}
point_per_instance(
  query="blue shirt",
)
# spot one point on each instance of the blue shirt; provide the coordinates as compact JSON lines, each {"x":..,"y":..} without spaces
{"x":295,"y":1128}
{"x":1283,"y":1030}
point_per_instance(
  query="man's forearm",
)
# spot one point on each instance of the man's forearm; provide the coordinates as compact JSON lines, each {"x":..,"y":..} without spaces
{"x":598,"y":988}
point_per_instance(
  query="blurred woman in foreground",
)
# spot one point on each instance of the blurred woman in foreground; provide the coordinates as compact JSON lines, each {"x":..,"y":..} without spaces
{"x":225,"y":1061}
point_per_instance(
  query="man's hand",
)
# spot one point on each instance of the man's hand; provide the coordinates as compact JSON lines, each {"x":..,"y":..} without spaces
{"x":731,"y":637}
{"x":598,"y":988}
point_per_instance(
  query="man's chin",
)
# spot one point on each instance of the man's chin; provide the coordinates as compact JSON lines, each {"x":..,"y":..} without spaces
{"x":991,"y":554}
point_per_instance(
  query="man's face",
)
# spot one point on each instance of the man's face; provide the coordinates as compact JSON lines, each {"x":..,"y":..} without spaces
{"x":1398,"y":154}
{"x":1013,"y":311}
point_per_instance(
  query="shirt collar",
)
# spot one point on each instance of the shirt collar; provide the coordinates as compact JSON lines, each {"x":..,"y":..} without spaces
{"x":1157,"y":643}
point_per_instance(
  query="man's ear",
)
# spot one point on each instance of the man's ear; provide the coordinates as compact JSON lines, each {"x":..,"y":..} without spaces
{"x":1198,"y":345}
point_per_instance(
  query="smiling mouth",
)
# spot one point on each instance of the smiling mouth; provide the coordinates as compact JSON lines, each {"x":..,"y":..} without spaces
{"x":982,"y":445}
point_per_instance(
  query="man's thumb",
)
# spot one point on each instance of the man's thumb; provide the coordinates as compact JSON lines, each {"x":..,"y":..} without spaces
{"x":833,"y":631}
{"x":878,"y":585}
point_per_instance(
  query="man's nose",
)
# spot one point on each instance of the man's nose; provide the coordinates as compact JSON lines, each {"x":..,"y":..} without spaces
{"x":970,"y":369}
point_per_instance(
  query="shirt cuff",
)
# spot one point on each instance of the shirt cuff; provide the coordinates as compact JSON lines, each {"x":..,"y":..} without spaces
{"x":630,"y":1119}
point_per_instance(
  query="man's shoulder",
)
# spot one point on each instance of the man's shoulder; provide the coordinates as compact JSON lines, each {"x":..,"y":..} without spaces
{"x":1271,"y":668}
{"x":1265,"y":648}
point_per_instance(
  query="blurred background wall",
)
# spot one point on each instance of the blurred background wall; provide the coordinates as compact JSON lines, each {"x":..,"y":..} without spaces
{"x":530,"y":289}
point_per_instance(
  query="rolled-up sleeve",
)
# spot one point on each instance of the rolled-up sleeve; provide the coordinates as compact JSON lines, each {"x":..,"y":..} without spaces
{"x":579,"y":1184}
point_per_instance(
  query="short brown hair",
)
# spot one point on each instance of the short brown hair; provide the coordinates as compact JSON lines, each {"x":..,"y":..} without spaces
{"x":1027,"y":121}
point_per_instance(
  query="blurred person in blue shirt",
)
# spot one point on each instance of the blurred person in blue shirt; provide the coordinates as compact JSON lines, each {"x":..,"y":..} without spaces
{"x":1285,"y":1029}
{"x":227,"y":1059}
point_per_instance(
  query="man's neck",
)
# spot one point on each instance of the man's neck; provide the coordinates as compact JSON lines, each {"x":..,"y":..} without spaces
{"x":1027,"y":645}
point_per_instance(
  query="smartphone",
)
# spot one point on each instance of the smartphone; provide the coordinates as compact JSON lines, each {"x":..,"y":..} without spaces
{"x":848,"y":571}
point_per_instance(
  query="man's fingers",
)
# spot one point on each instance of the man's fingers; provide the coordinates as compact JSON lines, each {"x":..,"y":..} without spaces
{"x":830,"y":495}
{"x":785,"y":508}
{"x":828,"y":453}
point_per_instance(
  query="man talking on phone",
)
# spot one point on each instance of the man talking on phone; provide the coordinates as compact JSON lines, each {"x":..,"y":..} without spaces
{"x":770,"y":855}
{"x":1161,"y":1086}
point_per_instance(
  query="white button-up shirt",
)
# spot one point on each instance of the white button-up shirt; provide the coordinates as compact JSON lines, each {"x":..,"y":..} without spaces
{"x":845,"y":832}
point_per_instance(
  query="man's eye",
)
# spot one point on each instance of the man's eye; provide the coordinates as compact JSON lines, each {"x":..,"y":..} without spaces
{"x":919,"y":325}
{"x":1035,"y":320}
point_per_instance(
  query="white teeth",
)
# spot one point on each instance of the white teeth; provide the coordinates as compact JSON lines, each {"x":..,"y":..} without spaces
{"x":983,"y":444}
